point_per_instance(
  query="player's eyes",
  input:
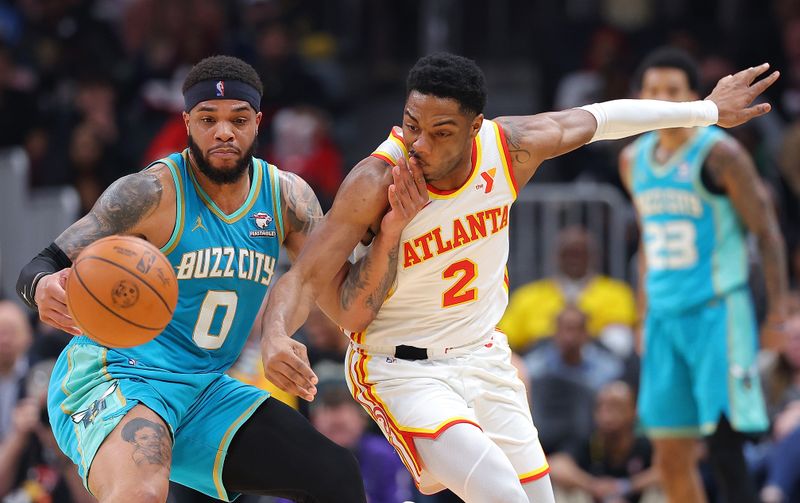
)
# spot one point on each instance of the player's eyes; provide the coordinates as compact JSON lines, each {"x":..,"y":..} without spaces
{"x":241,"y":121}
{"x":443,"y":134}
{"x":411,"y":127}
{"x":207,"y":120}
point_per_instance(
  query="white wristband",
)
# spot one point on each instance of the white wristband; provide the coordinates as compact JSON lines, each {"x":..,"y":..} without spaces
{"x":622,"y":118}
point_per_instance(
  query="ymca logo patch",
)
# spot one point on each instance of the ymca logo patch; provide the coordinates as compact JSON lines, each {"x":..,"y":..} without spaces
{"x":262,"y":219}
{"x":221,"y":88}
{"x":488,"y":179}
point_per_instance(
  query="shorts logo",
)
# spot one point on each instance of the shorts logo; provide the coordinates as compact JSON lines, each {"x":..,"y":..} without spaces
{"x":89,"y":414}
{"x":221,"y":88}
{"x":262,"y":219}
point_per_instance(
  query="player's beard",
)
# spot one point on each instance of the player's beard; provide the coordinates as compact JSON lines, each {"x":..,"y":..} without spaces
{"x":226,"y":175}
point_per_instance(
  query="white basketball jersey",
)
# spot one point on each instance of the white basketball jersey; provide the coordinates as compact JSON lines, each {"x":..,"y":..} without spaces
{"x":452,"y":285}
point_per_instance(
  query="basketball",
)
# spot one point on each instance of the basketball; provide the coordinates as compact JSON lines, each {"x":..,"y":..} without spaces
{"x":122,"y":291}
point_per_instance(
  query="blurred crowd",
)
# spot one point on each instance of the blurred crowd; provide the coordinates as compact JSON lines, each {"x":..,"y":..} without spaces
{"x":90,"y":89}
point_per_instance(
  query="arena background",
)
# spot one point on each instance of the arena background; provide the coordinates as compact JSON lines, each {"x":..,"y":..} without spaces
{"x":90,"y":91}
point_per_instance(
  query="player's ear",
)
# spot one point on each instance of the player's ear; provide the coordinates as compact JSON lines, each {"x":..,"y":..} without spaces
{"x":259,"y":115}
{"x":475,"y":127}
{"x":186,"y":121}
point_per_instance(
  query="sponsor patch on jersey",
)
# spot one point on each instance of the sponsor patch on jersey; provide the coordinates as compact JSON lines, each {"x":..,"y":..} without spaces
{"x":261,"y":220}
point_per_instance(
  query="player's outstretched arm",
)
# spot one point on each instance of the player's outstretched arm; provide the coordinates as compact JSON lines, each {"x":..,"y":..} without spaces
{"x":732,"y":169}
{"x":126,"y":207}
{"x":535,"y":138}
{"x":361,"y":201}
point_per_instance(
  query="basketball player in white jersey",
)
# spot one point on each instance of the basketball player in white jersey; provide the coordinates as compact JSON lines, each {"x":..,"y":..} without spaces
{"x":427,"y":362}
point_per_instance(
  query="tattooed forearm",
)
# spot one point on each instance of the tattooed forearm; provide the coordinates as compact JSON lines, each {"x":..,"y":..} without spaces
{"x":518,"y":153}
{"x":732,"y":168}
{"x":302,"y":207}
{"x":123,"y":205}
{"x":358,"y":287}
{"x":150,"y":440}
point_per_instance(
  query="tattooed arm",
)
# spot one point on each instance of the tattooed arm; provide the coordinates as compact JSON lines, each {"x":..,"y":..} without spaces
{"x":141,"y":204}
{"x":359,"y":205}
{"x":732,"y":169}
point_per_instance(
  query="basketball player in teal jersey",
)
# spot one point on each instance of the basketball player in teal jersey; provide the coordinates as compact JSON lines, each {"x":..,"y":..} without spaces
{"x":132,"y":419}
{"x":697,"y":194}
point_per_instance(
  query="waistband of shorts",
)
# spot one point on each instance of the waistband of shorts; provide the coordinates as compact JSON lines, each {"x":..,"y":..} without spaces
{"x":434,"y":353}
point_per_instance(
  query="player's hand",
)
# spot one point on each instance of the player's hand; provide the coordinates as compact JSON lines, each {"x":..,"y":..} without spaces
{"x":51,"y":298}
{"x":734,"y":93}
{"x":286,"y":366}
{"x":25,"y":417}
{"x":408,"y":194}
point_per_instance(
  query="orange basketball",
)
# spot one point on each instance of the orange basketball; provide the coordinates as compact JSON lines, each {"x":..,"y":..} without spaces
{"x":121,"y":291}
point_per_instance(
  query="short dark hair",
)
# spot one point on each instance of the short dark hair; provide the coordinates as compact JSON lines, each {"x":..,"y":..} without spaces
{"x":670,"y":57}
{"x":446,"y":75}
{"x":223,"y":68}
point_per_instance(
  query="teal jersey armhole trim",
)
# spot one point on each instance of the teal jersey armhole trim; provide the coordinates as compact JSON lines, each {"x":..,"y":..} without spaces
{"x":276,"y":199}
{"x":177,"y":230}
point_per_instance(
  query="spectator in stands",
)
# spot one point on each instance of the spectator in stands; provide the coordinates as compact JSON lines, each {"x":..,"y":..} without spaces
{"x":301,"y":143}
{"x":337,"y":416}
{"x":15,"y":340}
{"x":573,"y":355}
{"x":32,"y":467}
{"x":781,"y":381}
{"x":609,"y":304}
{"x":613,"y":464}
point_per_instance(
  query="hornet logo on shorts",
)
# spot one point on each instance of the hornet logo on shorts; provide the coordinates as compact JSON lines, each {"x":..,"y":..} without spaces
{"x":87,"y":415}
{"x":262,"y":219}
{"x":221,"y":88}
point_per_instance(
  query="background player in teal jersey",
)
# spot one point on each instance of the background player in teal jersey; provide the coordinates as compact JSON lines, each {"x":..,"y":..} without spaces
{"x":697,"y":194}
{"x":133,"y":418}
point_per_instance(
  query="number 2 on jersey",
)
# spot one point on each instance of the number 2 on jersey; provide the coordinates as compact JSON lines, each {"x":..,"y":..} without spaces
{"x":466,"y":271}
{"x":202,"y":328}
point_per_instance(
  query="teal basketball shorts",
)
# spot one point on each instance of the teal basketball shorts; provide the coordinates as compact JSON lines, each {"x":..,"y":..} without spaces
{"x":699,"y":365}
{"x":93,"y":387}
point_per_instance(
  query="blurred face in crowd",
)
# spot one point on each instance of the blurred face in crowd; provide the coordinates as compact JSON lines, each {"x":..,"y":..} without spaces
{"x":222,"y":137}
{"x":438,"y":135}
{"x":322,"y":333}
{"x":574,"y":253}
{"x":791,"y":349}
{"x":343,"y":422}
{"x":615,"y":410}
{"x":15,"y":335}
{"x":571,"y":333}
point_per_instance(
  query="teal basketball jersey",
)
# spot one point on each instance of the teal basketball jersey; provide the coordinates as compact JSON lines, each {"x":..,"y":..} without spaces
{"x":224,"y":265}
{"x":694,"y":241}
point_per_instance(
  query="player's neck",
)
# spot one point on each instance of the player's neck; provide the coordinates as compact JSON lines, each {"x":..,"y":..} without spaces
{"x":670,"y":140}
{"x":229,"y":197}
{"x":456,"y":178}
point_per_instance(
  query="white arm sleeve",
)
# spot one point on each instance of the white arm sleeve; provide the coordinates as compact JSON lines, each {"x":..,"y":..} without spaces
{"x":622,"y":118}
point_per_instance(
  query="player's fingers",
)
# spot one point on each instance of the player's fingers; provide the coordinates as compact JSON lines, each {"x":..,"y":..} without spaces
{"x":419,"y":181}
{"x":56,"y":292}
{"x":755,"y":111}
{"x":298,"y":384}
{"x":750,"y":74}
{"x":61,"y":322}
{"x":394,"y":200}
{"x":400,"y":188}
{"x":762,"y":85}
{"x":301,"y":352}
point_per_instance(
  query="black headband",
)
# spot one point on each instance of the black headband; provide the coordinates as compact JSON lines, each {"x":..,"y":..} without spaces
{"x":221,"y":90}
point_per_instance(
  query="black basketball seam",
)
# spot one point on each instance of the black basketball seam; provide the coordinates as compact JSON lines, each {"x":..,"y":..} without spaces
{"x":77,"y":275}
{"x":75,"y":316}
{"x":103,"y":259}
